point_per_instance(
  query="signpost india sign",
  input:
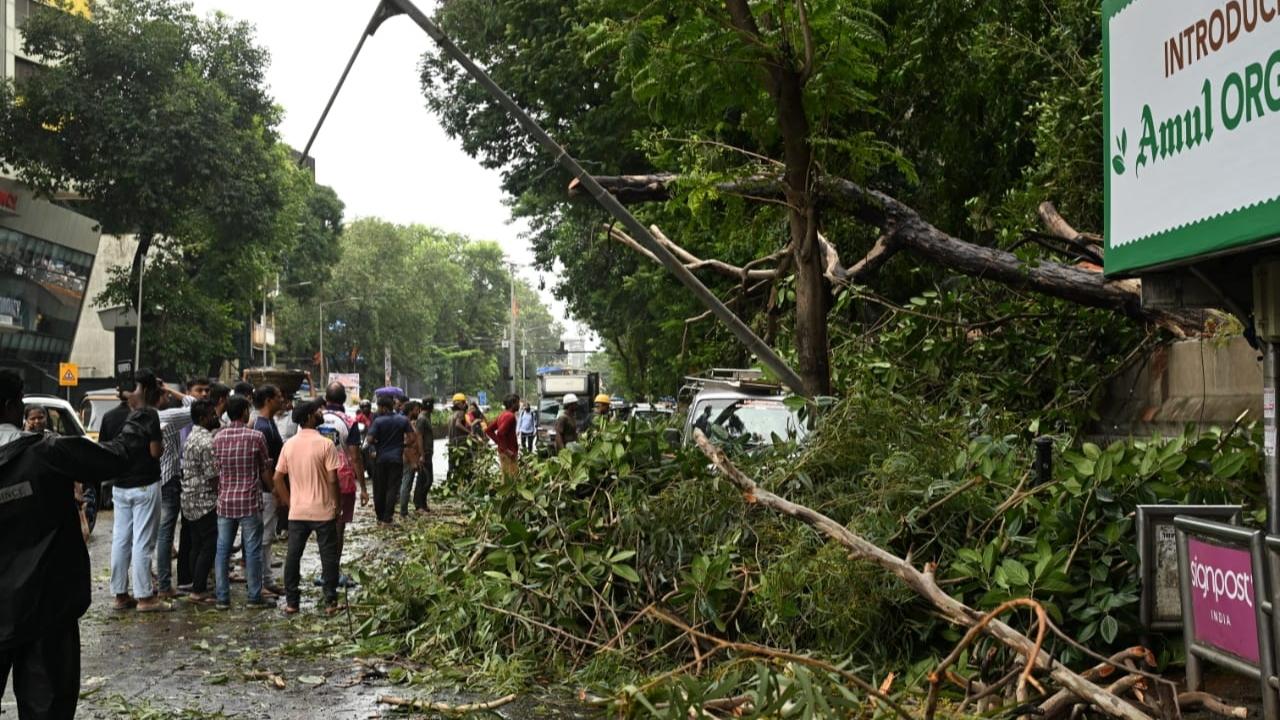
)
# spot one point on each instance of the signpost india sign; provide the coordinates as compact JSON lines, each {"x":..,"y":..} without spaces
{"x":1222,"y":598}
{"x":1192,"y":109}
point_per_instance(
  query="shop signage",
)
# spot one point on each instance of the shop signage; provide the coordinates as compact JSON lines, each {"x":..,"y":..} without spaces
{"x":1222,"y":595}
{"x":8,"y":202}
{"x":1191,"y":110}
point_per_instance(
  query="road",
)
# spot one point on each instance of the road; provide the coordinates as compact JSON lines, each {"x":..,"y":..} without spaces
{"x":195,"y":661}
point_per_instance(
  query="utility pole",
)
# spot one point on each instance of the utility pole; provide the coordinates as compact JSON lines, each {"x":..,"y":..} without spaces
{"x":511,"y":364}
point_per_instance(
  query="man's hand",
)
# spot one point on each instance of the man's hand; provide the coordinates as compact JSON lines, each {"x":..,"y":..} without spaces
{"x":364,"y":497}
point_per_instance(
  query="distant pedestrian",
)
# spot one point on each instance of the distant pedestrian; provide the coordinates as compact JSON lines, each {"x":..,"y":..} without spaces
{"x":345,"y":435}
{"x":175,"y":416}
{"x":387,"y":437}
{"x":136,"y":498}
{"x":243,"y":469}
{"x":527,"y":427}
{"x":200,"y":496}
{"x":566,"y":426}
{"x":426,"y":467}
{"x":412,"y":455}
{"x":311,"y":463}
{"x":458,"y":434}
{"x":503,"y":433}
{"x":44,"y":562}
{"x":267,"y":401}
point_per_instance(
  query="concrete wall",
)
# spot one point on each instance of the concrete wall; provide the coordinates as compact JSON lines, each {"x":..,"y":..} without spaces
{"x":1190,"y":381}
{"x":94,"y":348}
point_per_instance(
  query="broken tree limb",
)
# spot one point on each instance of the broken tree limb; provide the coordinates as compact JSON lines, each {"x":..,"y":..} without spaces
{"x":445,"y":707}
{"x":922,"y":582}
{"x":691,"y":261}
{"x":911,"y":232}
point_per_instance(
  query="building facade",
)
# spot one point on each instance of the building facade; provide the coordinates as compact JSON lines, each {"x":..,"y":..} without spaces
{"x":47,"y":252}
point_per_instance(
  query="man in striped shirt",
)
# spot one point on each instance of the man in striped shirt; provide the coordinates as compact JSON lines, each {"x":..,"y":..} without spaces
{"x":244,"y":470}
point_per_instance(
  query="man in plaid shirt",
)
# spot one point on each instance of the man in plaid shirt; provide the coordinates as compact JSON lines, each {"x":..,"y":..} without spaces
{"x":244,"y":469}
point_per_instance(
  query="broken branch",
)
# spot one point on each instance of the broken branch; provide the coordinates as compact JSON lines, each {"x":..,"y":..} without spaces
{"x":445,"y":707}
{"x":921,"y":582}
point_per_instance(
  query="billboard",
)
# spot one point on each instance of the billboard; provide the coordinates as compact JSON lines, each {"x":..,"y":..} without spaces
{"x":1191,"y":108}
{"x":350,"y":381}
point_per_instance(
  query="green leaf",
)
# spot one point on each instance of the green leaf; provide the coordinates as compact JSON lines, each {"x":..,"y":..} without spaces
{"x":1016,"y":573}
{"x":1108,"y":629}
{"x":626,"y":572}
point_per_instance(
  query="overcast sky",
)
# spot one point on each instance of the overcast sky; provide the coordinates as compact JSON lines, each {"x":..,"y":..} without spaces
{"x":380,"y":148}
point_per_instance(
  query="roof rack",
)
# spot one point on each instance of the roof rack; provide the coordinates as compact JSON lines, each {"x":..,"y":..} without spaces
{"x":741,"y":379}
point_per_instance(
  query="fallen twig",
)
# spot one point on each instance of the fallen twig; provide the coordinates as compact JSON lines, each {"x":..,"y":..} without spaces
{"x":275,"y":680}
{"x":766,"y":651}
{"x":922,"y":582}
{"x":1212,"y":704}
{"x":935,"y":677}
{"x":445,"y":707}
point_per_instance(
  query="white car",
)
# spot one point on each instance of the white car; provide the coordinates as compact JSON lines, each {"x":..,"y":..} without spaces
{"x":62,"y":418}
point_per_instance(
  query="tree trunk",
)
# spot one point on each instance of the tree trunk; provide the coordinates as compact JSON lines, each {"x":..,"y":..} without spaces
{"x":785,"y":81}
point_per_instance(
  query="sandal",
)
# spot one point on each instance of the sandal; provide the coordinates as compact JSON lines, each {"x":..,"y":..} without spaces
{"x":290,"y":610}
{"x":123,"y":605}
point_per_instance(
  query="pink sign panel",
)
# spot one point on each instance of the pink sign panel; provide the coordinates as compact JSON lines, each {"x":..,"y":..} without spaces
{"x":1222,"y":598}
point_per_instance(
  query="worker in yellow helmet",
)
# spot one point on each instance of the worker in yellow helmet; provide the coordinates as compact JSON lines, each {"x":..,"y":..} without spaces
{"x":603,"y":403}
{"x":457,"y":433}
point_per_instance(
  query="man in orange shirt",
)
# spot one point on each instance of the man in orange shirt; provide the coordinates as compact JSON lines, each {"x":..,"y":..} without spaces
{"x":311,"y":462}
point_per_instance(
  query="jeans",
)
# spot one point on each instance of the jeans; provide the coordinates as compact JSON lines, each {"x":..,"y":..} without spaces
{"x":269,"y":521}
{"x":204,"y":543}
{"x":133,"y":538}
{"x":327,"y":538}
{"x":251,"y":537}
{"x":170,"y":509}
{"x":423,"y":473}
{"x":386,"y":488}
{"x":46,"y":673}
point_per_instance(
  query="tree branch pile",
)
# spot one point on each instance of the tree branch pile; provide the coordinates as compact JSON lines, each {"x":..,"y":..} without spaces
{"x":905,"y":229}
{"x":1075,"y":688}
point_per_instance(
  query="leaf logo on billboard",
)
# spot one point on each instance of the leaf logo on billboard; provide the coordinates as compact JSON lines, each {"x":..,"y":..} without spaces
{"x":1122,"y":148}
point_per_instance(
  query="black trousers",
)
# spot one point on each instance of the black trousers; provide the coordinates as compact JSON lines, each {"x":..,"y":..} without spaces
{"x":426,"y":477}
{"x":46,"y":673}
{"x":204,"y":544}
{"x":386,"y":489}
{"x":184,"y":551}
{"x":526,"y":442}
{"x":327,"y":538}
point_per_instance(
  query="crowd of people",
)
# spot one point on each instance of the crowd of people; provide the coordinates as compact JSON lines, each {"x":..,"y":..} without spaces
{"x":191,"y":471}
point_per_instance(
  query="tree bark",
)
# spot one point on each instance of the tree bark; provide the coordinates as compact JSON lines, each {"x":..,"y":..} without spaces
{"x":785,"y":81}
{"x":911,"y":232}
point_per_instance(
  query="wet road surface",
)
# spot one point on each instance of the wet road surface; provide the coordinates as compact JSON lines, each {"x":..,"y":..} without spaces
{"x":198,"y":662}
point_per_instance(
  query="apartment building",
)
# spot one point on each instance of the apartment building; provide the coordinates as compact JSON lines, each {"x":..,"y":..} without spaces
{"x":48,"y":253}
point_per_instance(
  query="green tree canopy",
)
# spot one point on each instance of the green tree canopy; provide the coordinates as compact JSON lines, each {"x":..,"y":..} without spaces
{"x":439,"y":302}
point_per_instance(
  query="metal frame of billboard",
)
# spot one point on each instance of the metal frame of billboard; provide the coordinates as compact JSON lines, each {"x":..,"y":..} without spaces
{"x":1149,"y":519}
{"x":1198,"y":652}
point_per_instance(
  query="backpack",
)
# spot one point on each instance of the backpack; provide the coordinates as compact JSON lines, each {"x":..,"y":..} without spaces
{"x":337,"y":427}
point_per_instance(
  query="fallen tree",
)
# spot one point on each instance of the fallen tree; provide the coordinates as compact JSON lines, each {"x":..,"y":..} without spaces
{"x":1076,"y":687}
{"x":905,"y":229}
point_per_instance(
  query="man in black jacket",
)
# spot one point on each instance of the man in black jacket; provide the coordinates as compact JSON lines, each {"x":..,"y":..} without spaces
{"x":44,"y":565}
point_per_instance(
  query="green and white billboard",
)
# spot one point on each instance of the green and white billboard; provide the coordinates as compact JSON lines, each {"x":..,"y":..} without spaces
{"x":1192,"y":121}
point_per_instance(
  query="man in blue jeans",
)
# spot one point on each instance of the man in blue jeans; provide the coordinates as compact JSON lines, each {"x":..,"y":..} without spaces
{"x":240,"y":454}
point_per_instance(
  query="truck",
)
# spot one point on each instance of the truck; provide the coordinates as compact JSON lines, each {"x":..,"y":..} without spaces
{"x":553,"y":385}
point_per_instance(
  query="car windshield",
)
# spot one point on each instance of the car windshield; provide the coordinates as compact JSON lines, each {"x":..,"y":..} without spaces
{"x":755,"y":421}
{"x":548,"y":411}
{"x":60,"y":421}
{"x":93,"y":409}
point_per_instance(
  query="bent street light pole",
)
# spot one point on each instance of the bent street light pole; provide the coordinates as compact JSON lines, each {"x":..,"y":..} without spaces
{"x":761,"y":349}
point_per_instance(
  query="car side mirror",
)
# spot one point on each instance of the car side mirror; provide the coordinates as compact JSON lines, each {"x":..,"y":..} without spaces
{"x":672,"y":436}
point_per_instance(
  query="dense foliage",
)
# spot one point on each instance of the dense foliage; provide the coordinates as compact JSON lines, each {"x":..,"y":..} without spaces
{"x":438,"y":302}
